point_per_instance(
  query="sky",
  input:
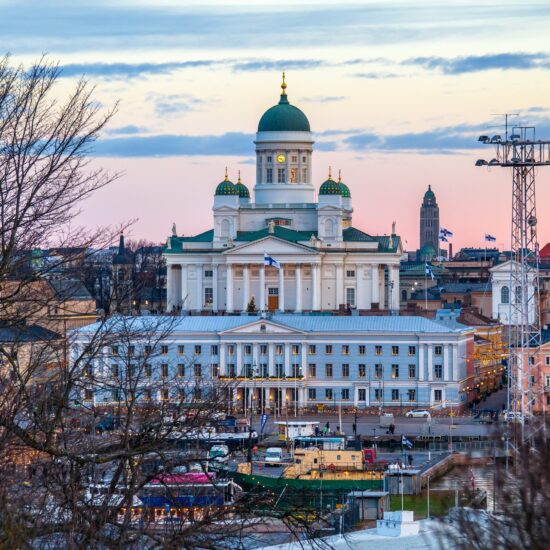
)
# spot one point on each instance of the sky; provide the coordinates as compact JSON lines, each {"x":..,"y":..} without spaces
{"x":396,"y":93}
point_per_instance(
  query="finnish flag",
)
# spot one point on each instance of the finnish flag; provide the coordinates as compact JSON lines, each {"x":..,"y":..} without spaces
{"x":269,"y":261}
{"x":490,"y":238}
{"x":428,"y":271}
{"x":445,"y":232}
{"x":406,"y":442}
{"x":443,"y":239}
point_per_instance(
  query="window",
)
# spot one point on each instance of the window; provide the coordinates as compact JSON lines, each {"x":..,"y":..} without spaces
{"x":269,"y":158}
{"x":395,"y":371}
{"x":230,"y":349}
{"x":181,"y":394}
{"x":115,"y":395}
{"x":350,"y":296}
{"x":114,"y":371}
{"x":114,"y":350}
{"x":164,"y":370}
{"x":378,"y":371}
{"x":438,"y":395}
{"x":531,"y":360}
{"x":281,"y":175}
{"x":328,"y":350}
{"x":198,"y":370}
{"x":208,"y":296}
{"x":88,"y":371}
{"x":412,"y":371}
{"x":198,"y":350}
{"x":181,"y":350}
{"x":345,"y":350}
{"x":248,"y":350}
{"x":412,"y":350}
{"x":362,"y":394}
{"x":279,"y":370}
{"x":181,"y":369}
{"x":304,"y":159}
{"x":438,"y":372}
{"x":269,"y":175}
{"x":231,"y":370}
{"x":345,"y":370}
{"x":395,"y":350}
{"x":279,"y":349}
{"x":312,"y":350}
{"x":147,"y":394}
{"x":395,"y":395}
{"x":247,"y":371}
{"x":345,"y":394}
{"x":131,"y":350}
{"x":294,"y":158}
{"x":328,"y":393}
{"x":378,"y":394}
{"x":214,"y":350}
{"x":547,"y":360}
{"x":88,"y":395}
{"x":148,"y":370}
{"x":312,"y":393}
{"x":350,"y":273}
{"x":208,"y":273}
{"x":296,"y":371}
{"x":164,"y":395}
{"x":328,"y":370}
{"x":412,"y":395}
{"x":263,"y":349}
{"x":377,"y":350}
{"x":148,"y":350}
{"x":293,"y":175}
{"x":295,"y":349}
{"x":504,"y":295}
{"x":362,"y":371}
{"x":164,"y":349}
{"x":312,"y":370}
{"x":438,"y":350}
{"x":362,"y":350}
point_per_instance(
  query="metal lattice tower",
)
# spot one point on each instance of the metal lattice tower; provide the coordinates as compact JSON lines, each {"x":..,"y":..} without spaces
{"x":521,"y":152}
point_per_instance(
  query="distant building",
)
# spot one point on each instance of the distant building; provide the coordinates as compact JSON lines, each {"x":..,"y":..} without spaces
{"x":429,"y":227}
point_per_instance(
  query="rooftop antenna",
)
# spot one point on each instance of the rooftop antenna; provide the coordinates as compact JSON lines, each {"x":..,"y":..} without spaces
{"x":506,"y":117}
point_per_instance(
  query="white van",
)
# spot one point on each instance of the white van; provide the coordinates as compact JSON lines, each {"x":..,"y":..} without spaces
{"x":273,"y":456}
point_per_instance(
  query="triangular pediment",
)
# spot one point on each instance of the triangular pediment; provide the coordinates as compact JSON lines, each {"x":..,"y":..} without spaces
{"x":270,"y":245}
{"x":263,"y":326}
{"x":504,"y":267}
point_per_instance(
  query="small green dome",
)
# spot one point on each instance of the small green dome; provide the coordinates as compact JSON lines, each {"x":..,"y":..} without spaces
{"x":345,"y":192}
{"x":429,"y":194}
{"x":242,"y":189}
{"x":283,"y":117}
{"x":226,"y":187}
{"x":330,"y":187}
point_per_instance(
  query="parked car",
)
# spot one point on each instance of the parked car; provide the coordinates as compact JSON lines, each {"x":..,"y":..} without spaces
{"x":418,"y":413}
{"x":273,"y":456}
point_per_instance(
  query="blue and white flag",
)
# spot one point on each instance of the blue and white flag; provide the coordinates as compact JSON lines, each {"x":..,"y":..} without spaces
{"x":445,"y":232}
{"x":428,"y":271}
{"x":263,"y":422}
{"x":269,"y":261}
{"x":406,"y":442}
{"x":490,"y":238}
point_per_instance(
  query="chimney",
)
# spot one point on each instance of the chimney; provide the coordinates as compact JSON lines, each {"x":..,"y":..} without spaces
{"x":450,"y":251}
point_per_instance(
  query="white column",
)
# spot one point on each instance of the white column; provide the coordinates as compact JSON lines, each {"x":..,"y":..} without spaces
{"x":430,"y":365}
{"x":215,"y":287}
{"x":171,"y":289}
{"x":421,"y":374}
{"x":396,"y":288}
{"x":262,"y":287}
{"x":270,"y":361}
{"x":246,"y":287}
{"x":375,"y":285}
{"x":184,"y":300}
{"x":199,"y":300}
{"x":282,"y":288}
{"x":360,"y":301}
{"x":229,"y":289}
{"x":223,"y":367}
{"x":339,"y":285}
{"x":393,"y":299}
{"x":316,"y":282}
{"x":287,"y":365}
{"x":446,"y":376}
{"x":455,"y":363}
{"x":298,"y":308}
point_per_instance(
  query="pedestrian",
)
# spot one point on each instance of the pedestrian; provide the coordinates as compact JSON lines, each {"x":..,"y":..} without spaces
{"x":392,"y":429}
{"x":316,"y":431}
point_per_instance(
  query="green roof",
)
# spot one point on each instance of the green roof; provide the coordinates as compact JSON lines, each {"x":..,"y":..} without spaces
{"x":351,"y":234}
{"x":330,"y":187}
{"x":345,"y":190}
{"x":242,"y":190}
{"x":283,"y":117}
{"x":278,"y":231}
{"x":429,"y":194}
{"x":226,"y":187}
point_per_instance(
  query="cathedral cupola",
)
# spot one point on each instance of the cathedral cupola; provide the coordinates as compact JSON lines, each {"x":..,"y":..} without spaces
{"x":226,"y":187}
{"x":242,"y":190}
{"x":329,"y":186}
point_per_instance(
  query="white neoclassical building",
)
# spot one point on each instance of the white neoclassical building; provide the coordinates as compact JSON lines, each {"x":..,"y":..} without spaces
{"x":326,"y":263}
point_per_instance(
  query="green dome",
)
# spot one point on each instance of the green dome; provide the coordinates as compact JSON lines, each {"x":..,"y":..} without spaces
{"x":283,"y":117}
{"x":345,"y":192}
{"x":427,"y":252}
{"x":227,"y":187}
{"x":330,"y":187}
{"x":242,"y":189}
{"x":429,"y":194}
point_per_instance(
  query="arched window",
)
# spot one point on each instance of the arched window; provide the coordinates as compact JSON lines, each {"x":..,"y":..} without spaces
{"x":403,"y":295}
{"x":518,"y":295}
{"x":504,"y":295}
{"x":329,"y":228}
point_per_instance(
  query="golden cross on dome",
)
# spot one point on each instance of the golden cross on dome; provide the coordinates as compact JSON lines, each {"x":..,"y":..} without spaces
{"x":283,"y":85}
{"x":339,"y":176}
{"x":239,"y":180}
{"x":226,"y":178}
{"x":330,"y":172}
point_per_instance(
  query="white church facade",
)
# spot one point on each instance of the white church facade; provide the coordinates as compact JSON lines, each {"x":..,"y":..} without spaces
{"x":326,"y":264}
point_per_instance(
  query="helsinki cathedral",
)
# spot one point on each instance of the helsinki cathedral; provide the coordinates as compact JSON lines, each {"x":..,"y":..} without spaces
{"x":288,"y":248}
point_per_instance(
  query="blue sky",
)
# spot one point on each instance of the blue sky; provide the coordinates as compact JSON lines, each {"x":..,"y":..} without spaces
{"x":396,"y":93}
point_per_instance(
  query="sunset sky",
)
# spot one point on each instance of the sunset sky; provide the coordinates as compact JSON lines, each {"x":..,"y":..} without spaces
{"x":396,"y":94}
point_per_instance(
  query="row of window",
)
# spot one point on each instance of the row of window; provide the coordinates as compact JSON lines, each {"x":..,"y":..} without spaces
{"x":505,"y":295}
{"x":164,"y":370}
{"x":279,"y":349}
{"x":146,"y":394}
{"x":293,"y":158}
{"x":378,"y":371}
{"x":396,"y":395}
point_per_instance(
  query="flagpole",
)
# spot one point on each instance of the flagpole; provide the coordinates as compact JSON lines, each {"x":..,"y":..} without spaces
{"x":425,"y":289}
